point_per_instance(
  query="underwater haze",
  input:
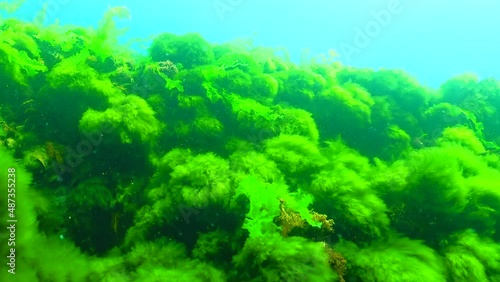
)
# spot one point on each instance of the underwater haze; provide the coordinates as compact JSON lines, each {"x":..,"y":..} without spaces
{"x":431,"y":40}
{"x":233,"y":140}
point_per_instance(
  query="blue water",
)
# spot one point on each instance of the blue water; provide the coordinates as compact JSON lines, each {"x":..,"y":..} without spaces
{"x":431,"y":40}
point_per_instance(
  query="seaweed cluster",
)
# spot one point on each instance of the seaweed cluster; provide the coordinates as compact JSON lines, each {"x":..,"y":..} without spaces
{"x":205,"y":162}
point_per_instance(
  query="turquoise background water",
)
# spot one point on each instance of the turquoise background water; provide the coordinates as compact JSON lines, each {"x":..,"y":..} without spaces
{"x":432,"y":40}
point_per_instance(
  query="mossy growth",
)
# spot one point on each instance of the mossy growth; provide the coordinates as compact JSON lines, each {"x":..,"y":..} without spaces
{"x":300,"y":87}
{"x":130,"y":117}
{"x":275,"y":258}
{"x":264,"y":88}
{"x":93,"y":231}
{"x":154,"y":261}
{"x":197,"y":159}
{"x":403,"y":89}
{"x":394,"y":259}
{"x":293,"y":121}
{"x":183,"y":184}
{"x":296,"y":156}
{"x":434,"y":173}
{"x":462,"y":136}
{"x":468,"y":256}
{"x":251,"y":115}
{"x":443,"y":115}
{"x":189,"y":50}
{"x":343,"y":191}
{"x":343,"y":110}
{"x":233,"y":60}
{"x":19,"y":56}
{"x":25,"y":206}
{"x":249,"y":162}
{"x":71,"y":88}
{"x":398,"y":143}
{"x":215,"y":246}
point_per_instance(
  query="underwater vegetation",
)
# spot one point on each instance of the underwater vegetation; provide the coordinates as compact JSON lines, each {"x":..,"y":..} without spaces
{"x":215,"y":162}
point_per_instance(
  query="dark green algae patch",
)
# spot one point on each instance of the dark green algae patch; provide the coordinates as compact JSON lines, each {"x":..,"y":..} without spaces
{"x":203,"y":162}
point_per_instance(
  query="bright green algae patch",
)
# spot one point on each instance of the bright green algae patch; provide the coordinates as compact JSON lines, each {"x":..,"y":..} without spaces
{"x":204,"y":162}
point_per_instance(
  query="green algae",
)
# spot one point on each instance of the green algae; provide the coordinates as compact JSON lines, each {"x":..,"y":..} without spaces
{"x":194,"y":162}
